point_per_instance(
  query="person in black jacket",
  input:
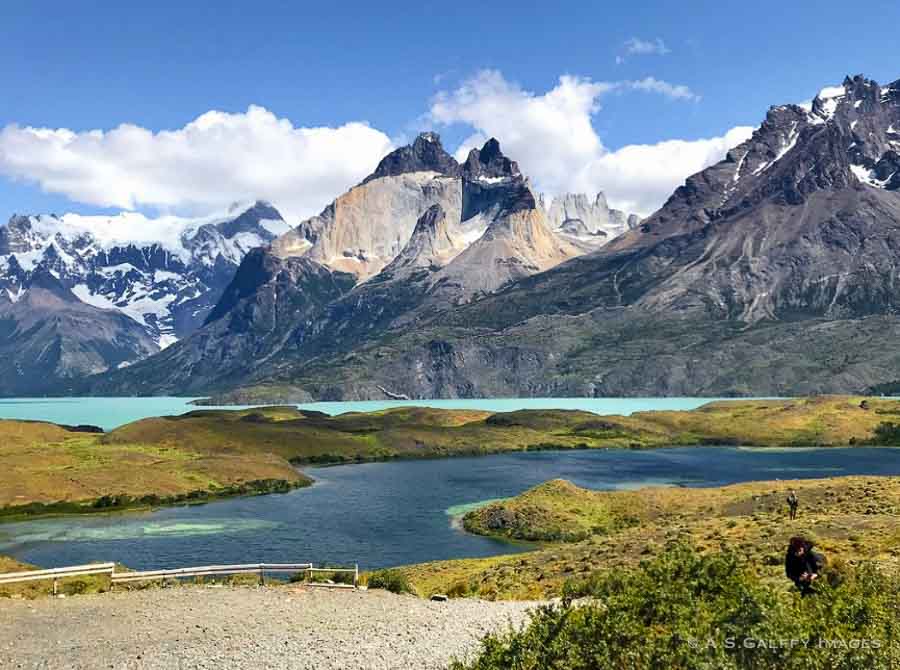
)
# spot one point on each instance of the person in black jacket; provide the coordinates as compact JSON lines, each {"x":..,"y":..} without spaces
{"x":802,"y":565}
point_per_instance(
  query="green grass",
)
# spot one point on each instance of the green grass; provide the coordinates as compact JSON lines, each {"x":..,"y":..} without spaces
{"x":852,"y":519}
{"x":552,"y":512}
{"x":210,"y":453}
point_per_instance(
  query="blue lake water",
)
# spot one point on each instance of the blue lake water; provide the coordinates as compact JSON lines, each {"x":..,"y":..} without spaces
{"x":381,"y":514}
{"x":108,"y":413}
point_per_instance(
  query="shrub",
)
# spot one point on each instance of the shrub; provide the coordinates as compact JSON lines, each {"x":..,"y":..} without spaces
{"x":686,"y":611}
{"x":390,"y":580}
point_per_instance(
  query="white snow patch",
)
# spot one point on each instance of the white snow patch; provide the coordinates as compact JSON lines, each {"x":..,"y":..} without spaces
{"x":166,"y":340}
{"x":831,"y":92}
{"x":867,"y":177}
{"x":491,"y":180}
{"x":83,"y":293}
{"x":29,"y":259}
{"x":111,"y":270}
{"x":160,"y":276}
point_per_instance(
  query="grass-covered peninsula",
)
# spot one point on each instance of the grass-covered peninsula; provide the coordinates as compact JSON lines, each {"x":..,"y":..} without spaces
{"x":581,"y":531}
{"x":206,"y":454}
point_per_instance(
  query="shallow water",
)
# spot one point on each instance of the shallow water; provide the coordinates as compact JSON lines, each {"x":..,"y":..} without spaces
{"x":380,"y":514}
{"x":109,"y":413}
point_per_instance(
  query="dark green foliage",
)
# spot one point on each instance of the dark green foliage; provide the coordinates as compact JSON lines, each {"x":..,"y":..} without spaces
{"x":887,"y":433}
{"x":390,"y":580}
{"x":686,"y":611}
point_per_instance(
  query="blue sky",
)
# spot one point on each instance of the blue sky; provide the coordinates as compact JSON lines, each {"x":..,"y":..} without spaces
{"x":85,"y":66}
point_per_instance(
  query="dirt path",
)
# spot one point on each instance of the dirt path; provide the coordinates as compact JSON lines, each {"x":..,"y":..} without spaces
{"x":243,"y":627}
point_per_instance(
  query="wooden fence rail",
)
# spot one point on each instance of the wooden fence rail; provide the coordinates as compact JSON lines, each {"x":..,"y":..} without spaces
{"x":173,"y":573}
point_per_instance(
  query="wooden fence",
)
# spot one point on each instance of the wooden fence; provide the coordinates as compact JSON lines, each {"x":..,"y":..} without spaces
{"x":176,"y":573}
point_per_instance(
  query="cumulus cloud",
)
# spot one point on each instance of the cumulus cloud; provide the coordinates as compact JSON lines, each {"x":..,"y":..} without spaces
{"x":219,"y":157}
{"x":653,"y":85}
{"x":215,"y":159}
{"x":638,"y":47}
{"x":552,"y":137}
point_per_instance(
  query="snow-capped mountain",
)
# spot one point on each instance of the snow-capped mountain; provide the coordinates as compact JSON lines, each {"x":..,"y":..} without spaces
{"x":165,"y":274}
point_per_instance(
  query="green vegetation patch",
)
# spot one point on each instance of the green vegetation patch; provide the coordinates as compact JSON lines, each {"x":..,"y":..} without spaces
{"x":691,"y":611}
{"x":555,"y":511}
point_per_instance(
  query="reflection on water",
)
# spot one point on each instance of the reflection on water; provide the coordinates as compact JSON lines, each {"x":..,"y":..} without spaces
{"x":395,"y":513}
{"x":121,"y":527}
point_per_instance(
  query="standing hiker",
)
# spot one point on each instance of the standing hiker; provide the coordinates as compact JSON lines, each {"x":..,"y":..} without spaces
{"x":793,"y":503}
{"x":802,"y":564}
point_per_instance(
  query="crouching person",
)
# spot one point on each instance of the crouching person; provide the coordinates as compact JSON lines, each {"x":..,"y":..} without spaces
{"x":802,"y":564}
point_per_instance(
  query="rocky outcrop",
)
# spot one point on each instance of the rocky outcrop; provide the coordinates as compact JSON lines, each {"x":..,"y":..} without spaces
{"x":574,"y":215}
{"x":425,"y":154}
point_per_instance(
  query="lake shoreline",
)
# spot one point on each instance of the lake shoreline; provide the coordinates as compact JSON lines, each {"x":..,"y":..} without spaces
{"x":206,"y":455}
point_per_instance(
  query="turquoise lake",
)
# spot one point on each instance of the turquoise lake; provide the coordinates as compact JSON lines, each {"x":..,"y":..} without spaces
{"x":109,"y":413}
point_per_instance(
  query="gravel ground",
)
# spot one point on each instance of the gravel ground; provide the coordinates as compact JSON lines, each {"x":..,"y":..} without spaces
{"x":246,"y":627}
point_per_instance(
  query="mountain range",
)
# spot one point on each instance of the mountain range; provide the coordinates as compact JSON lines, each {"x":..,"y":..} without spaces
{"x":83,"y":294}
{"x":772,"y":272}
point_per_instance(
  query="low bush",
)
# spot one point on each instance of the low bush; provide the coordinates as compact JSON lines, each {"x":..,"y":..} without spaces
{"x":685,"y":611}
{"x":390,"y":580}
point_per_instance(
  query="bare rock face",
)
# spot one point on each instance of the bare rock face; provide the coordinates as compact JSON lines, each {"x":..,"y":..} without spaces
{"x":594,"y":222}
{"x":364,"y":230}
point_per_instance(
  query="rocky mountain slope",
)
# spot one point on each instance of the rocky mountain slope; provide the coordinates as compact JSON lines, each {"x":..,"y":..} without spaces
{"x":48,"y":336}
{"x":772,"y":272}
{"x":420,"y":234}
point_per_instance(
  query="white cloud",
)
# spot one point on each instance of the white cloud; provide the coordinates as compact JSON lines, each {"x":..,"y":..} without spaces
{"x":214,"y":160}
{"x":653,"y":85}
{"x":553,"y":138}
{"x":220,"y":157}
{"x":638,"y":47}
{"x":640,"y":177}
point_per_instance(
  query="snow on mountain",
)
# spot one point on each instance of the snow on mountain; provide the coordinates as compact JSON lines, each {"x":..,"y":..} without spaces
{"x":165,"y":273}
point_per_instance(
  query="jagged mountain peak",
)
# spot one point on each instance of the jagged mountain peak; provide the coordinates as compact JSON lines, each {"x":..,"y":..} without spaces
{"x":490,"y":164}
{"x":588,"y":220}
{"x":425,"y":154}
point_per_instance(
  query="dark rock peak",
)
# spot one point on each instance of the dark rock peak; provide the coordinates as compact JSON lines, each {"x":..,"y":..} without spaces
{"x":249,"y":220}
{"x":490,"y":163}
{"x":425,"y":154}
{"x":43,"y":279}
